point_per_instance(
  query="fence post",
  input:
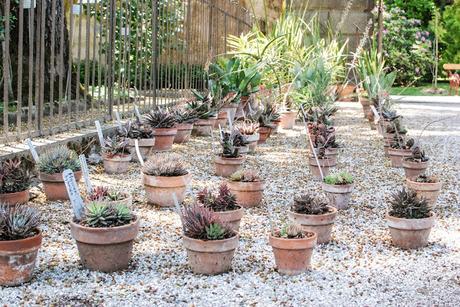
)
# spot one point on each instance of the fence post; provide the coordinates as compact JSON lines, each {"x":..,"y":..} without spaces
{"x":156,"y":52}
{"x":110,"y":56}
{"x":6,"y":66}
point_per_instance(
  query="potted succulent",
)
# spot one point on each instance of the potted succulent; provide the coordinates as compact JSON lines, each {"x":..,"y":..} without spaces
{"x":14,"y":182}
{"x":20,"y":240}
{"x":324,"y":136}
{"x":230,"y":105}
{"x":292,"y":247}
{"x":184,"y":123}
{"x":105,"y":236}
{"x":338,"y":187}
{"x":162,"y":175}
{"x":110,"y":196}
{"x":416,"y":163}
{"x":115,"y":154}
{"x":51,"y":165}
{"x":288,"y":115}
{"x":323,"y":161}
{"x":224,"y":205}
{"x":210,"y":244}
{"x":206,"y":113}
{"x":399,"y":150}
{"x":266,"y":120}
{"x":410,"y":220}
{"x":230,"y":160}
{"x":162,"y":123}
{"x":427,"y":187}
{"x":392,"y":133}
{"x":314,"y":214}
{"x":247,"y":187}
{"x":248,"y":129}
{"x":143,"y":134}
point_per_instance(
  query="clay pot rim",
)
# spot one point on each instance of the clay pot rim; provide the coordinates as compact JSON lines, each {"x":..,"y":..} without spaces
{"x":345,"y":188}
{"x":223,"y":240}
{"x":223,"y":159}
{"x":332,"y":212}
{"x":184,"y":126}
{"x":164,"y":131}
{"x":166,"y":181}
{"x":56,"y":177}
{"x":19,"y":192}
{"x":244,"y":186}
{"x":87,"y":229}
{"x":398,"y":151}
{"x":411,"y":164}
{"x":118,"y":158}
{"x":211,"y":246}
{"x":22,"y":245}
{"x":229,"y":212}
{"x":294,"y":239}
{"x":437,"y":185}
{"x":293,"y":244}
{"x":414,"y":224}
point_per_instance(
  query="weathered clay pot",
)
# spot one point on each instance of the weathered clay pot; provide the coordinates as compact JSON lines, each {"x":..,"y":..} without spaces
{"x":252,"y":139}
{"x":159,"y":189}
{"x":227,"y":166}
{"x":116,"y":165}
{"x":203,"y":127}
{"x":293,"y":256}
{"x":397,"y":156}
{"x":244,"y":100}
{"x":210,"y":257}
{"x":288,"y":119}
{"x":105,"y":249}
{"x":276,"y":125}
{"x":54,"y":186}
{"x":17,"y":260}
{"x":319,"y":224}
{"x":414,"y":169}
{"x":385,"y":150}
{"x":230,"y":109}
{"x":221,"y":120}
{"x":15,"y":198}
{"x":366,"y":106}
{"x":145,"y":148}
{"x":231,"y":218}
{"x":429,"y":191}
{"x":345,"y":91}
{"x":164,"y":138}
{"x":243,"y":149}
{"x":325,"y":164}
{"x":184,"y":131}
{"x":248,"y":194}
{"x":410,"y":233}
{"x":338,"y":194}
{"x":264,"y":134}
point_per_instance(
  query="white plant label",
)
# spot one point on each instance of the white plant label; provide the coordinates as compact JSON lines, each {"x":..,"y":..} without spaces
{"x":138,"y":152}
{"x":220,"y":132}
{"x":29,"y":4}
{"x":33,"y":151}
{"x":76,"y":9}
{"x":124,"y":31}
{"x":376,"y":114}
{"x":85,"y":171}
{"x":230,"y":123}
{"x":74,"y":194}
{"x":212,"y":141}
{"x":99,"y":133}
{"x":117,"y":117}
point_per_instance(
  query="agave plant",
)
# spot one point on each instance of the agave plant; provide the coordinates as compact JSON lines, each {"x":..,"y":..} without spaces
{"x":98,"y":214}
{"x":58,"y":159}
{"x":203,"y":224}
{"x":306,"y":204}
{"x":164,"y":164}
{"x":14,"y":176}
{"x":223,"y":200}
{"x":115,"y":146}
{"x":18,"y":222}
{"x":160,"y":118}
{"x":406,"y":204}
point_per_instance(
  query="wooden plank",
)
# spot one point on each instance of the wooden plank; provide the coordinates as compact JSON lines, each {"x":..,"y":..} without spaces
{"x":451,"y":66}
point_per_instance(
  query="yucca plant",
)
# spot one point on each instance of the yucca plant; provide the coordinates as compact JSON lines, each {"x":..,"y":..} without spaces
{"x":160,"y":118}
{"x":58,"y":159}
{"x":406,"y":204}
{"x":14,"y":176}
{"x":221,"y":201}
{"x":203,"y":224}
{"x":115,"y":146}
{"x":165,"y":164}
{"x":18,"y":222}
{"x":306,"y":204}
{"x":98,"y":215}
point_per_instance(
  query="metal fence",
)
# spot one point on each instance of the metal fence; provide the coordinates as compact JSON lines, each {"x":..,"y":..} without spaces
{"x":66,"y":63}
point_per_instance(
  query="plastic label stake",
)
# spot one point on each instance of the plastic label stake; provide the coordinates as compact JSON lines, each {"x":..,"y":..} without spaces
{"x":74,"y":194}
{"x":117,"y":117}
{"x":85,"y":171}
{"x":230,"y":123}
{"x":99,"y":133}
{"x":376,"y":114}
{"x":136,"y":110}
{"x":138,"y":152}
{"x":33,"y":151}
{"x":178,"y":210}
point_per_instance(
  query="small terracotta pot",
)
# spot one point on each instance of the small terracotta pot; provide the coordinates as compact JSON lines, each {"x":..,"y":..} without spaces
{"x":385,"y":150}
{"x":338,"y":194}
{"x":397,"y":156}
{"x":248,"y":194}
{"x":319,"y":224}
{"x":231,"y":218}
{"x":293,"y":256}
{"x":325,"y":164}
{"x":288,"y":119}
{"x":203,"y":127}
{"x":252,"y":139}
{"x":54,"y":186}
{"x":225,"y":167}
{"x":159,"y":189}
{"x":264,"y":134}
{"x":145,"y":148}
{"x":221,"y":120}
{"x":118,"y":164}
{"x":17,"y":260}
{"x":410,"y":233}
{"x":414,"y":169}
{"x":429,"y":191}
{"x":276,"y":124}
{"x":164,"y":138}
{"x":105,"y":249}
{"x":230,"y":109}
{"x":15,"y":198}
{"x":210,"y":257}
{"x":184,"y":131}
{"x":366,"y":106}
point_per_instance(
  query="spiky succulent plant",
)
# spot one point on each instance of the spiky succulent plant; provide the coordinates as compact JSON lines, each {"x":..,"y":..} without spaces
{"x":184,"y":115}
{"x":230,"y":143}
{"x":245,"y":176}
{"x":18,"y":222}
{"x":223,"y":200}
{"x":292,"y":231}
{"x":339,"y":178}
{"x":115,"y":146}
{"x":306,"y":204}
{"x":406,"y":204}
{"x":101,"y":193}
{"x":98,"y":215}
{"x":203,"y":224}
{"x":417,"y":155}
{"x":160,"y":118}
{"x":247,"y":127}
{"x":164,"y":164}
{"x":136,"y":130}
{"x":14,"y":176}
{"x":58,"y":159}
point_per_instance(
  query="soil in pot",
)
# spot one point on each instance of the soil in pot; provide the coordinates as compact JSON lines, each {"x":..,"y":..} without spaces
{"x":397,"y":156}
{"x":339,"y":194}
{"x":184,"y":131}
{"x":54,"y":186}
{"x":232,"y":218}
{"x":287,"y":119}
{"x":410,"y":233}
{"x":320,"y":224}
{"x":164,"y":138}
{"x":264,"y":134}
{"x":428,"y":190}
{"x":248,"y":194}
{"x":225,"y":167}
{"x":118,"y":164}
{"x":413,"y":169}
{"x":159,"y":189}
{"x":21,"y":197}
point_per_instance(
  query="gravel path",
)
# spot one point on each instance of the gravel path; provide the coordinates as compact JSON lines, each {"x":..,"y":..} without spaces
{"x":359,"y":266}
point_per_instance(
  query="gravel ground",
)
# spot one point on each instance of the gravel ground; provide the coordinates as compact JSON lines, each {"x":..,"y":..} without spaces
{"x":359,"y":266}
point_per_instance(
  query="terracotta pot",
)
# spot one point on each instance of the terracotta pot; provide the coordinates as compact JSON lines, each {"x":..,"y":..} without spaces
{"x":15,"y":198}
{"x":184,"y":131}
{"x":145,"y":148}
{"x":319,"y":224}
{"x":410,"y":233}
{"x":366,"y":106}
{"x":414,"y":169}
{"x":202,"y":127}
{"x":243,"y":149}
{"x":17,"y":260}
{"x":288,"y":119}
{"x":227,"y":166}
{"x":429,"y":191}
{"x":276,"y":125}
{"x":325,"y":164}
{"x":231,"y":218}
{"x":293,"y":256}
{"x":230,"y":109}
{"x":248,"y":194}
{"x":164,"y":138}
{"x":345,"y":91}
{"x":338,"y":194}
{"x":264,"y":134}
{"x":385,"y":150}
{"x":210,"y":257}
{"x":221,"y":120}
{"x":159,"y":189}
{"x":105,"y":249}
{"x":397,"y":156}
{"x":117,"y":164}
{"x":244,"y":100}
{"x":54,"y":185}
{"x":252,"y":139}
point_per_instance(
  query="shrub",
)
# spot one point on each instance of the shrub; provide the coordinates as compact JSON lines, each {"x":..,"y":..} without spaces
{"x":416,"y":9}
{"x":450,"y":37}
{"x":160,"y":119}
{"x":115,"y":146}
{"x":14,"y":176}
{"x":58,"y":159}
{"x":405,"y":204}
{"x":306,"y":204}
{"x":223,"y":200}
{"x":203,"y":224}
{"x":98,"y":215}
{"x":164,"y":164}
{"x":18,"y":222}
{"x":341,"y":178}
{"x":245,"y":176}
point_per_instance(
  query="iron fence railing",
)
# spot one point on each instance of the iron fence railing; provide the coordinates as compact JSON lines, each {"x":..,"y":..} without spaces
{"x":66,"y":63}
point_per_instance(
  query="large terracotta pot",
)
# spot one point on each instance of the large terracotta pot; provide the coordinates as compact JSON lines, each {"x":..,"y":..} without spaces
{"x":54,"y":186}
{"x":225,"y":167}
{"x":252,"y":139}
{"x":21,"y":197}
{"x":231,"y":218}
{"x":397,"y":156}
{"x":248,"y":194}
{"x":118,"y":164}
{"x":230,"y":109}
{"x":293,"y":256}
{"x":429,"y":191}
{"x":105,"y":249}
{"x":243,"y":149}
{"x":184,"y":131}
{"x":17,"y":260}
{"x":288,"y":119}
{"x":203,"y":127}
{"x":164,"y":138}
{"x":410,"y":233}
{"x":210,"y":257}
{"x":325,"y":165}
{"x":145,"y":148}
{"x":366,"y":106}
{"x":159,"y":189}
{"x":264,"y":134}
{"x":221,"y":120}
{"x":414,"y":169}
{"x":319,"y":224}
{"x":338,"y":194}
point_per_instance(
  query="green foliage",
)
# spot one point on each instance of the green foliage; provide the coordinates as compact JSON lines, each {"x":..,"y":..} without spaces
{"x":164,"y":164}
{"x":306,"y":204}
{"x":203,"y":106}
{"x":245,"y":176}
{"x":405,"y":204}
{"x":215,"y":231}
{"x":14,"y":176}
{"x":98,"y":215}
{"x":115,"y":146}
{"x":341,"y":178}
{"x":101,"y":193}
{"x":136,"y":130}
{"x":18,"y":222}
{"x":57,"y":160}
{"x":450,"y":36}
{"x":221,"y":201}
{"x":231,"y":141}
{"x":201,"y":223}
{"x":421,"y":10}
